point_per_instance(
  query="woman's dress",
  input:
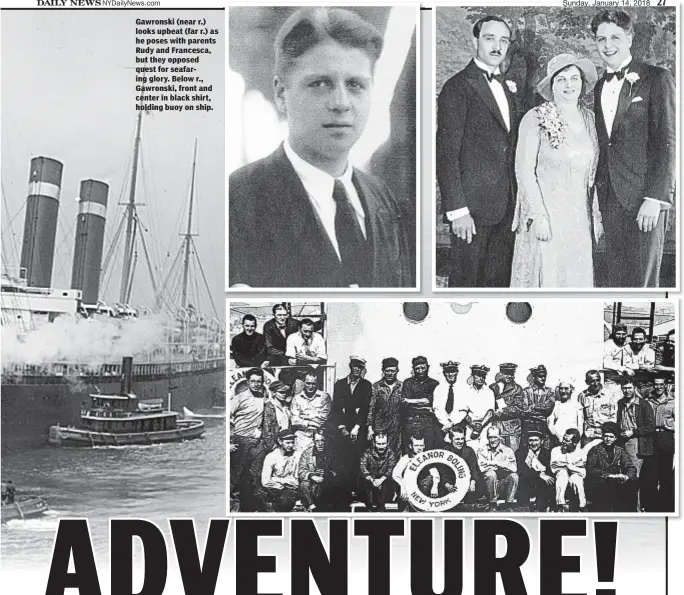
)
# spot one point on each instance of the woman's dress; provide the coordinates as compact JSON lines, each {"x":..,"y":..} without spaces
{"x":555,"y":178}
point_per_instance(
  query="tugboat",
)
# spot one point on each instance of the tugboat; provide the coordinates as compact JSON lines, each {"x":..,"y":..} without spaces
{"x":25,"y":508}
{"x":123,"y":420}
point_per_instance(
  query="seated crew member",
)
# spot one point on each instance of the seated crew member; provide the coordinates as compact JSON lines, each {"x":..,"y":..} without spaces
{"x":569,"y":464}
{"x":320,"y":482}
{"x":416,"y":446}
{"x":610,"y":472}
{"x":331,"y":224}
{"x":248,"y":347}
{"x":377,"y":464}
{"x":499,"y":468}
{"x":457,"y":445}
{"x":279,"y":478}
{"x":534,"y":471}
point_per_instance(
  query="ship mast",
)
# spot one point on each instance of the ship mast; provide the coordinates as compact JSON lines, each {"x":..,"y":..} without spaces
{"x":131,"y":223}
{"x":187,"y":240}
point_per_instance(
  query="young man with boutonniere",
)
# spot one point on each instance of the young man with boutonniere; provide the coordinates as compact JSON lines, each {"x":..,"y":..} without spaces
{"x":476,"y":136}
{"x":636,"y":127}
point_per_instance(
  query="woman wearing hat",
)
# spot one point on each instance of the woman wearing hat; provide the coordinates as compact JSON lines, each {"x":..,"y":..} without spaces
{"x":555,"y":164}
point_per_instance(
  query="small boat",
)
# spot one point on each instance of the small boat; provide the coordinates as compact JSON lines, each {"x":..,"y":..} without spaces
{"x":189,"y":414}
{"x":26,"y":508}
{"x":123,"y":420}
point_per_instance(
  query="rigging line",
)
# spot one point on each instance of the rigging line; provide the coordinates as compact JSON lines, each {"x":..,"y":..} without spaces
{"x":151,"y":204}
{"x":11,"y":229}
{"x":114,"y":244}
{"x":206,"y":283}
{"x":172,"y":270}
{"x":149,"y":266}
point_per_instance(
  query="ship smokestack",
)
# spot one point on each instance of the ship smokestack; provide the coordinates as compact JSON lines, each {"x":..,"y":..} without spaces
{"x":40,"y":225}
{"x":126,"y":375}
{"x":90,"y":227}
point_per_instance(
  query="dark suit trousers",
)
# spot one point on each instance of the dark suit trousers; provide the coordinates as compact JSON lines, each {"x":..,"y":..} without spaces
{"x":486,"y":262}
{"x":633,"y":256}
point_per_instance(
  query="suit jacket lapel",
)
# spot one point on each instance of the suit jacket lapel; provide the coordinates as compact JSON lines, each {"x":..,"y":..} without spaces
{"x":480,"y":84}
{"x":627,"y":93}
{"x":294,"y":206}
{"x":600,"y":120}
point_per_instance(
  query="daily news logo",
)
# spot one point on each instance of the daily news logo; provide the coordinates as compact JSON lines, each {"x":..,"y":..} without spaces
{"x":436,"y":480}
{"x":84,"y":3}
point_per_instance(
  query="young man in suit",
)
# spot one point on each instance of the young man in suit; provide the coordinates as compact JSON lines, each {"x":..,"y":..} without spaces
{"x":476,"y":135}
{"x":303,"y":216}
{"x":635,"y":123}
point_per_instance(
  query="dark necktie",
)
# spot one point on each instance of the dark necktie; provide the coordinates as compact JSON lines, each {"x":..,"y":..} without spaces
{"x":618,"y":74}
{"x":350,"y":239}
{"x":450,"y":400}
{"x":493,"y":77}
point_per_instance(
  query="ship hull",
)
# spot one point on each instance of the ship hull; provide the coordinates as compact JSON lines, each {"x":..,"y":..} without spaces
{"x":30,"y":405}
{"x":27,"y":508}
{"x":186,"y":430}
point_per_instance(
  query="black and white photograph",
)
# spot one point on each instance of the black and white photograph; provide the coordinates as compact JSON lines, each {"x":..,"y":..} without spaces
{"x":322,"y":108}
{"x":462,"y":407}
{"x":113,"y":308}
{"x":556,"y":147}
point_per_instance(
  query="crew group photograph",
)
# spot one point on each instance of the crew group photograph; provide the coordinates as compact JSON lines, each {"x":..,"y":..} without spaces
{"x":543,"y":406}
{"x":322,"y":190}
{"x":555,"y":147}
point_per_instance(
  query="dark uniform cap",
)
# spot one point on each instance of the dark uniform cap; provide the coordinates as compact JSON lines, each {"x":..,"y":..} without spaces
{"x":421,"y":359}
{"x":539,"y":370}
{"x":536,"y":433}
{"x":508,"y":367}
{"x":285,"y":434}
{"x":450,"y":366}
{"x":390,"y":362}
{"x":479,"y":371}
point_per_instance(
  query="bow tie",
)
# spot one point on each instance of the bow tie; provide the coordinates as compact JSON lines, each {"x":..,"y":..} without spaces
{"x":618,"y":74}
{"x":493,"y":77}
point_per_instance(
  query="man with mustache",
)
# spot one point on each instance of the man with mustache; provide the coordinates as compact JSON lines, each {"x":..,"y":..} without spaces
{"x":476,"y":137}
{"x":569,"y":464}
{"x":599,"y":404}
{"x":304,"y":216}
{"x":635,"y":107}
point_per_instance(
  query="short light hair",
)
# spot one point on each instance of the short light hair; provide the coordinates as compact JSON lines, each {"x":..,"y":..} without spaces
{"x":493,"y":429}
{"x":311,"y":26}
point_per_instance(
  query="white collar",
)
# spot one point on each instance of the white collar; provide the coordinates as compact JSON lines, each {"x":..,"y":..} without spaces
{"x":480,"y":64}
{"x":626,"y":62}
{"x":313,"y":176}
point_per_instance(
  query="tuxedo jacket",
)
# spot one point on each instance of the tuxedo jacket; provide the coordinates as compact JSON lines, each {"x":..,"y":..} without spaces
{"x":276,"y":239}
{"x":639,"y":156}
{"x":475,"y":152}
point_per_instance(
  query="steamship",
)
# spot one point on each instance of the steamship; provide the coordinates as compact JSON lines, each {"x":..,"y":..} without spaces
{"x":186,"y":367}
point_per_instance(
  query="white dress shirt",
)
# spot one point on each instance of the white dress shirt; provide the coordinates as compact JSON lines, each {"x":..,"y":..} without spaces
{"x":319,"y":187}
{"x":610,"y":95}
{"x":502,"y":102}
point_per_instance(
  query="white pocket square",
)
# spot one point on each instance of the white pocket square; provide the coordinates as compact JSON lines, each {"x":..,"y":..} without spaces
{"x":637,"y":99}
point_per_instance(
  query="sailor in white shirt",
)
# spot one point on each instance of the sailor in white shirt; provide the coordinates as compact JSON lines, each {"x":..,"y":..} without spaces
{"x":569,"y":463}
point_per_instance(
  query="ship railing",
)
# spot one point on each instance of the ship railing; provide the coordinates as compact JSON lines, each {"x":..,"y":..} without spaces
{"x":57,"y":373}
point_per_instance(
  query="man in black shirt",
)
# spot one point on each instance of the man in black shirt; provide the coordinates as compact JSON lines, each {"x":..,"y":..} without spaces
{"x":249,"y":347}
